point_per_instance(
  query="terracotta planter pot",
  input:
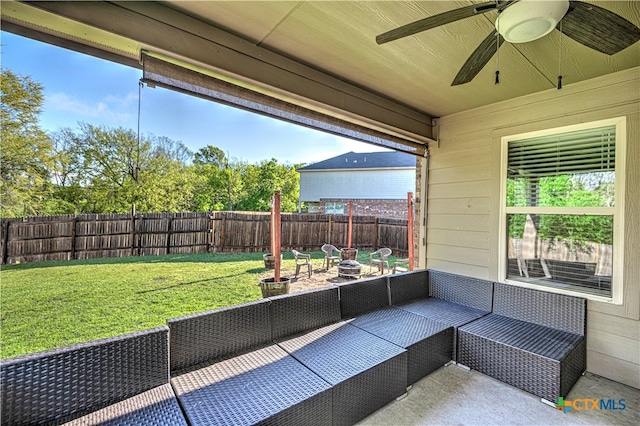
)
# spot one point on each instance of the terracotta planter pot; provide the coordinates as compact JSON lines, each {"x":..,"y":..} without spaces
{"x":271,"y":288}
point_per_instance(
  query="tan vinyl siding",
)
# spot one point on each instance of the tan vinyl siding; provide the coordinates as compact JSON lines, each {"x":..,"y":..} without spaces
{"x":464,"y":200}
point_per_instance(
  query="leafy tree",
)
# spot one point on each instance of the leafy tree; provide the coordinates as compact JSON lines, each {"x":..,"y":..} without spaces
{"x":263,"y":179}
{"x":117,"y":171}
{"x":67,"y":172}
{"x":26,"y":154}
{"x":567,"y":190}
{"x":220,"y":186}
{"x":211,"y":155}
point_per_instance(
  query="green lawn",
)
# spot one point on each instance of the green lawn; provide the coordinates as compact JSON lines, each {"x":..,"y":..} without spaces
{"x":51,"y":304}
{"x":46,"y":305}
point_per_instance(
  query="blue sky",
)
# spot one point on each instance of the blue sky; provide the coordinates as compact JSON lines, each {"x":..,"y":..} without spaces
{"x":81,"y":88}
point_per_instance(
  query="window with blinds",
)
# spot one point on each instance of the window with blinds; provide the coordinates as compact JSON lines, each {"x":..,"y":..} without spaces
{"x":560,"y":210}
{"x":544,"y":171}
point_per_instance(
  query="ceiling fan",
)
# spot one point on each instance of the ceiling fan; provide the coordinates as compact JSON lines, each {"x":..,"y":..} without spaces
{"x":521,"y":21}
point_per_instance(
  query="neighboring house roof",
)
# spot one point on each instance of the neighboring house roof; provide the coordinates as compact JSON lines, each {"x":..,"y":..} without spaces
{"x":364,"y":160}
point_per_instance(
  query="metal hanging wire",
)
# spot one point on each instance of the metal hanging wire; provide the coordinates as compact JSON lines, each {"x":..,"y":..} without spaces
{"x":137,"y":169}
{"x":498,"y":54}
{"x":560,"y":58}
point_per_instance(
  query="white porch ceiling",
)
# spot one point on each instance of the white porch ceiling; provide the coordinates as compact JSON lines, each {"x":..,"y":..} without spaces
{"x":337,"y":39}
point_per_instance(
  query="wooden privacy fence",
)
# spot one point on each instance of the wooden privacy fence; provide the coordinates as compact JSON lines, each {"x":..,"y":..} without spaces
{"x":90,"y":236}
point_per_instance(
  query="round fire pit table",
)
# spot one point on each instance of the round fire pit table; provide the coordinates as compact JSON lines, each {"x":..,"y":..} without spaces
{"x":349,"y":269}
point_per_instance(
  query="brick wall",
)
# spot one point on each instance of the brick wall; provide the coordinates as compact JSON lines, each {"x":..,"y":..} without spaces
{"x":391,"y":209}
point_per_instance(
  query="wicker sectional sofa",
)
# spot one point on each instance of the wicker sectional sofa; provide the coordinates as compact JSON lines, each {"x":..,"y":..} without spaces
{"x":122,"y":380}
{"x":533,"y":340}
{"x":327,"y":356}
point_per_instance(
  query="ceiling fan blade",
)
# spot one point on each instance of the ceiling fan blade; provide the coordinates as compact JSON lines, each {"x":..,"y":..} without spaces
{"x":598,"y":28}
{"x":478,"y":59}
{"x":435,"y":21}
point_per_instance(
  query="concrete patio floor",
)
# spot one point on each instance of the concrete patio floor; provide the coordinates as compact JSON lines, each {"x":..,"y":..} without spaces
{"x":456,"y":396}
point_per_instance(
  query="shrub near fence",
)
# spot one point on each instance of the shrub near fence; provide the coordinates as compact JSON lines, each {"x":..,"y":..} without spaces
{"x":69,"y":237}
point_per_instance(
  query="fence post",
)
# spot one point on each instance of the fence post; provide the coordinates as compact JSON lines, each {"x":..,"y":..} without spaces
{"x":133,"y":230}
{"x":329,"y":231}
{"x":5,"y":241}
{"x":210,"y":230}
{"x":376,"y":234}
{"x":169,"y":221}
{"x":73,"y":237}
{"x":222,"y":236}
{"x":140,"y":233}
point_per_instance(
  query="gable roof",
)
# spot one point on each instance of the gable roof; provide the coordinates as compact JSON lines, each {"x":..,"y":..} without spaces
{"x":364,"y":160}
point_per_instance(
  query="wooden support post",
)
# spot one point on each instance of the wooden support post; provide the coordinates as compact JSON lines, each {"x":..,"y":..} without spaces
{"x":350,"y":228}
{"x":329,"y":231}
{"x":410,"y":228}
{"x":276,"y":235}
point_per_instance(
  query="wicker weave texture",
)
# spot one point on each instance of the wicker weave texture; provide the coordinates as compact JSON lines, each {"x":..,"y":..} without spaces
{"x":460,"y":289}
{"x":428,"y":355}
{"x":550,"y":309}
{"x":429,"y":343}
{"x":265,"y":386}
{"x":363,"y":296}
{"x":544,"y":341}
{"x":214,"y":335}
{"x":543,"y":361}
{"x":450,"y":313}
{"x":531,"y":372}
{"x":572,"y":367}
{"x":409,"y":286}
{"x":366,"y":371}
{"x":69,"y":382}
{"x":398,"y":326}
{"x":340,"y":351}
{"x":295,"y":313}
{"x":155,"y":407}
{"x":356,"y":398}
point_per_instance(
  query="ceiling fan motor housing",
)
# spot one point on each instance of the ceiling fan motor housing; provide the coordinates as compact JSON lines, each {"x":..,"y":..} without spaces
{"x":528,"y":20}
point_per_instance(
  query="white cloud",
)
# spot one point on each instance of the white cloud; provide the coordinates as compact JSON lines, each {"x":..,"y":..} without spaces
{"x":110,"y":110}
{"x":130,"y":99}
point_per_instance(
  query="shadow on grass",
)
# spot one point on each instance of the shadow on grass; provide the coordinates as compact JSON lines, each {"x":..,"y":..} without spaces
{"x":363,"y":257}
{"x":188,"y":283}
{"x":167,"y":258}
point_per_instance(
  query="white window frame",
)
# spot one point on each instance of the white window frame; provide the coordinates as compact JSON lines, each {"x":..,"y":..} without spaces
{"x":334,"y":208}
{"x":617,"y":211}
{"x":313,"y":207}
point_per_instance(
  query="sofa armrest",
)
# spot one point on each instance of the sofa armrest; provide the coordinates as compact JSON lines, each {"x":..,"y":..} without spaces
{"x":69,"y":382}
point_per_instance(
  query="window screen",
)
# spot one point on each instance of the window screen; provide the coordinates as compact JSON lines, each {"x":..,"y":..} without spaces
{"x":560,"y":198}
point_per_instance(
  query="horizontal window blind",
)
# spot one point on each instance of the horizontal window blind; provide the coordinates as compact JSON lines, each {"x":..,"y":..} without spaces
{"x":171,"y":76}
{"x":584,"y":151}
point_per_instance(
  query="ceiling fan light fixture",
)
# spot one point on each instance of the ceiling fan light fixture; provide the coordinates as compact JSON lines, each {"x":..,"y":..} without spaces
{"x":528,"y":20}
